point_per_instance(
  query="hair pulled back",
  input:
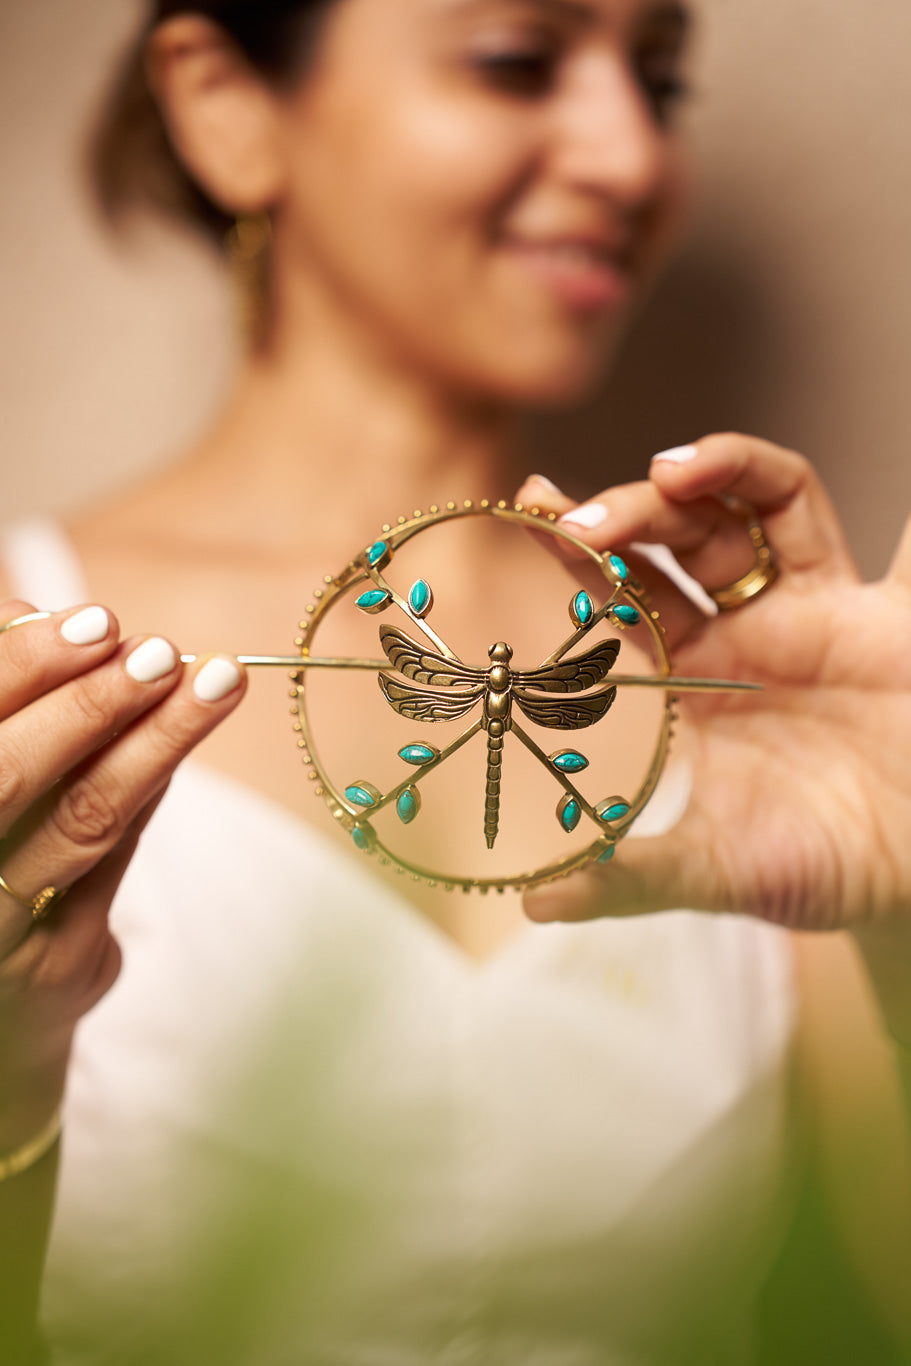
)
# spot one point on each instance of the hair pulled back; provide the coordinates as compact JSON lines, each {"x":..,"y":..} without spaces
{"x":132,"y":162}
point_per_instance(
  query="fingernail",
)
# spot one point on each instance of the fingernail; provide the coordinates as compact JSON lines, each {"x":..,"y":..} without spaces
{"x":151,"y":660}
{"x":677,"y":455}
{"x":588,"y":515}
{"x":546,"y":483}
{"x":87,"y":627}
{"x":216,"y":679}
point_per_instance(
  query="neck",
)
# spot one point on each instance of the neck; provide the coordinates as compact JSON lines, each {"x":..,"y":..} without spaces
{"x":313,"y":439}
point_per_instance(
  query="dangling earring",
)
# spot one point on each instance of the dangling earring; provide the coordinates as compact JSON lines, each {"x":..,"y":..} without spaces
{"x":248,"y":247}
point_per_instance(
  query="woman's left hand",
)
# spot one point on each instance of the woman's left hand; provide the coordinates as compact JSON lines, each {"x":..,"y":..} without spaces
{"x":801,"y":805}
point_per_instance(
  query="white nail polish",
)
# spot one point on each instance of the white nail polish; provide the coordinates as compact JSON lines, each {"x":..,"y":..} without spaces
{"x":216,"y":679}
{"x":677,"y":455}
{"x":151,"y":660}
{"x":87,"y":627}
{"x":589,"y":515}
{"x":546,"y":483}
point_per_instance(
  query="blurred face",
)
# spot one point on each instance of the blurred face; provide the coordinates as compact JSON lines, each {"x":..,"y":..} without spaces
{"x":478,"y":188}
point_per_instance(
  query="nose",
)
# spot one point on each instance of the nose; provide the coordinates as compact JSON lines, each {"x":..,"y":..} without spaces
{"x":609,"y":140}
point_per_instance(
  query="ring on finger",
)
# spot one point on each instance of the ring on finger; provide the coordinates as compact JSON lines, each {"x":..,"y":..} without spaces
{"x":39,"y":905}
{"x":21,"y":621}
{"x":760,"y":576}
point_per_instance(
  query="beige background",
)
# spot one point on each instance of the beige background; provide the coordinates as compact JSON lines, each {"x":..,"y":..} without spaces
{"x":788,"y":312}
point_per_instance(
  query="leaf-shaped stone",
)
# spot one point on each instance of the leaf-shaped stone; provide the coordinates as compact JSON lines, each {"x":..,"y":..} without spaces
{"x":408,"y":805}
{"x":419,"y":754}
{"x":626,"y":615}
{"x":377,"y":553}
{"x":569,"y":761}
{"x":581,"y":609}
{"x":612,"y":809}
{"x":569,"y":812}
{"x":362,"y":794}
{"x":376,"y":600}
{"x":420,"y":598}
{"x":619,"y":567}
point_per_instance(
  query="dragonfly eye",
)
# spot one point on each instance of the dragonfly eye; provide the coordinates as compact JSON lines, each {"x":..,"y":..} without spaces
{"x":500,"y":653}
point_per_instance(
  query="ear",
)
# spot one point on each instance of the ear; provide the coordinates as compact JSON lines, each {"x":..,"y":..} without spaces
{"x":220,"y":113}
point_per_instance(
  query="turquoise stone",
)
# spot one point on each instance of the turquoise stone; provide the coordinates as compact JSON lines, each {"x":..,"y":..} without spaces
{"x":614,"y":812}
{"x":569,"y":813}
{"x":374,"y":601}
{"x":582,"y":609}
{"x":420,"y":599}
{"x":408,"y":805}
{"x":628,"y":615}
{"x":418,"y":754}
{"x":608,"y":854}
{"x":619,"y":567}
{"x":361,"y":838}
{"x":569,"y":761}
{"x":376,"y":553}
{"x":360,"y":796}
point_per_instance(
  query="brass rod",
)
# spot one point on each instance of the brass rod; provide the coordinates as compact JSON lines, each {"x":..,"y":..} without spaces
{"x":296,"y":662}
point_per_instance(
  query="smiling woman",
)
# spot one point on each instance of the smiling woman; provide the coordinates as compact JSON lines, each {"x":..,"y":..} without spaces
{"x":326,"y":1113}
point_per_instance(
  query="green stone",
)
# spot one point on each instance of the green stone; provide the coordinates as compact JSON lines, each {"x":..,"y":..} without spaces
{"x":420,"y":599}
{"x":581,"y":609}
{"x":619,"y":567}
{"x":362,"y":794}
{"x":376,"y":552}
{"x":374,"y":601}
{"x":419,"y":754}
{"x":569,"y":813}
{"x":569,"y":761}
{"x":627,"y":615}
{"x":361,"y":838}
{"x":608,"y":854}
{"x":408,"y":805}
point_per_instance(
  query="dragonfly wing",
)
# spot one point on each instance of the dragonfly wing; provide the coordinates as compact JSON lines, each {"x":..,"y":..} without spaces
{"x":424,"y":704}
{"x":574,"y":715}
{"x":572,"y":675}
{"x":426,"y":666}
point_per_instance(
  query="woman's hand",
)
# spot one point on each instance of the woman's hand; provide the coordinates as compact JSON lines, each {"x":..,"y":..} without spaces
{"x":91,"y":730}
{"x":801,"y":805}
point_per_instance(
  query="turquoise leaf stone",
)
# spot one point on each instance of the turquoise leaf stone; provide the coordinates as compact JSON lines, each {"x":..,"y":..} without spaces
{"x":581,"y":609}
{"x":420,"y":599}
{"x":376,"y":553}
{"x":569,"y":813}
{"x":619,"y":567}
{"x":361,"y":838}
{"x":418,"y":754}
{"x":360,"y":796}
{"x":615,"y":812}
{"x":608,"y":854}
{"x":628,"y":615}
{"x":408,"y":805}
{"x":374,"y":601}
{"x":569,"y":761}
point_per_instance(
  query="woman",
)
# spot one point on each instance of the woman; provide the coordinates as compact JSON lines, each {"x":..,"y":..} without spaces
{"x":549,"y":1159}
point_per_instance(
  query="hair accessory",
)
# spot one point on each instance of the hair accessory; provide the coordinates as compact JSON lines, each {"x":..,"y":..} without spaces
{"x":23,"y":621}
{"x":422,"y":679}
{"x":756,"y":580}
{"x":31,"y":1152}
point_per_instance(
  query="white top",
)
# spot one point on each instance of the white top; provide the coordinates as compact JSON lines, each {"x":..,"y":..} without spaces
{"x":305,"y":1128}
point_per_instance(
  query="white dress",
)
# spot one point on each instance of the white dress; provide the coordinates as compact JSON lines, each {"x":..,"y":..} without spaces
{"x":304,"y":1128}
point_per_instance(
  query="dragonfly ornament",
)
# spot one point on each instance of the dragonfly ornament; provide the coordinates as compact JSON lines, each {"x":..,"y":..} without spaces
{"x":424,"y":680}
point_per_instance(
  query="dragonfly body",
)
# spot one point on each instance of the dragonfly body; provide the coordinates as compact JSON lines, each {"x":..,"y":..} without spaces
{"x":497,"y":709}
{"x":451,"y":689}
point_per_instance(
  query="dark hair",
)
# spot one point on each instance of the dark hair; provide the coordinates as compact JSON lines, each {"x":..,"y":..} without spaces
{"x":132,"y":164}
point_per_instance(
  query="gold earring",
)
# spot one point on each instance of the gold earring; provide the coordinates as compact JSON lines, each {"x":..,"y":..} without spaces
{"x":248,"y":246}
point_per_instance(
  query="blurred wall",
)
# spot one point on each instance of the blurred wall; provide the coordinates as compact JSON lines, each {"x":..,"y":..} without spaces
{"x":788,"y":312}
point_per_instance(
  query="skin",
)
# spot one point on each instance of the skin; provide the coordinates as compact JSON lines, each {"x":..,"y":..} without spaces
{"x":485,"y":184}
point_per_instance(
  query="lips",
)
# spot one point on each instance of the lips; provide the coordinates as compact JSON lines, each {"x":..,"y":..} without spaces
{"x":583,"y":272}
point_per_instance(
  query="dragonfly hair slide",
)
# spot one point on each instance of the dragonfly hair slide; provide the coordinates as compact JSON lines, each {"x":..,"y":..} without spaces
{"x":422,"y":679}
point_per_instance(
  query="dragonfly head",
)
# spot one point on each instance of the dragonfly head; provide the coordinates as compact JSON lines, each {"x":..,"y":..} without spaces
{"x":501,"y":653}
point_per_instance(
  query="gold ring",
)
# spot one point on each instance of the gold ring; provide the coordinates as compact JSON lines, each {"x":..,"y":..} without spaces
{"x":756,"y":580}
{"x":38,"y":906}
{"x":21,"y":621}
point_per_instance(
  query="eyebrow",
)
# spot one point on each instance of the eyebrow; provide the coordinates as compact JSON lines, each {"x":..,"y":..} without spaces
{"x":667,"y":13}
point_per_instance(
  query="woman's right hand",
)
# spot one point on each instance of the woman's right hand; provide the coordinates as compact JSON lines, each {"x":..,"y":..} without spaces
{"x":91,"y":730}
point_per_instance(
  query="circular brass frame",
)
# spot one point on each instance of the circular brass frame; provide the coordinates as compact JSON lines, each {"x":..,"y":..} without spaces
{"x":360,"y":571}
